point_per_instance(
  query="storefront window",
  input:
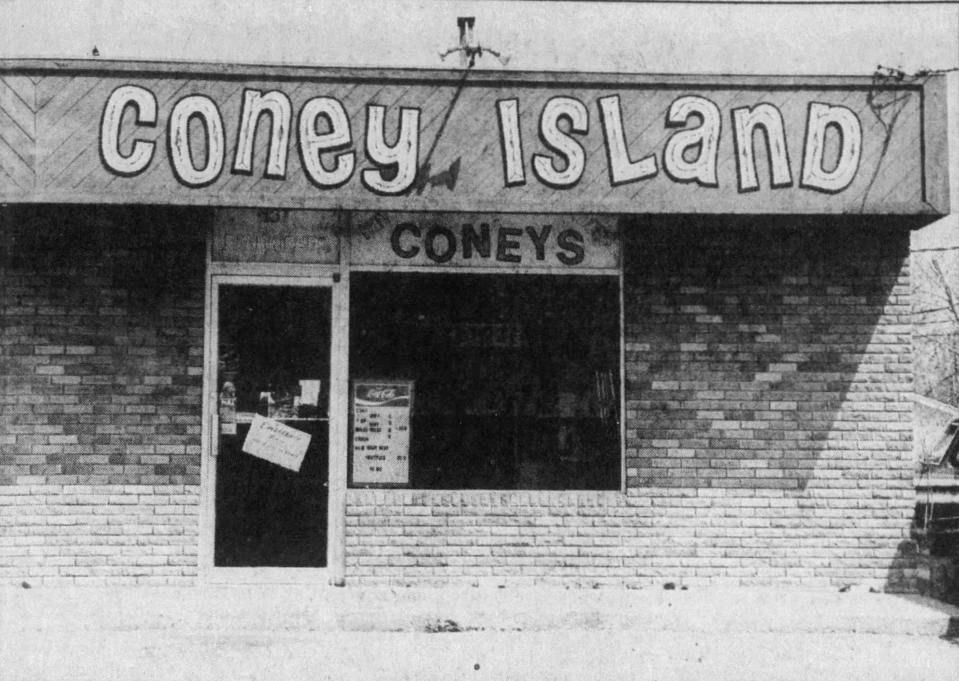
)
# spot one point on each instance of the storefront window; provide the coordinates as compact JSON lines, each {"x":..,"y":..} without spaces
{"x":515,"y":377}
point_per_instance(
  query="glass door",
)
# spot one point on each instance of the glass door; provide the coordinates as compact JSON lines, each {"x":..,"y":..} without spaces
{"x":271,"y":421}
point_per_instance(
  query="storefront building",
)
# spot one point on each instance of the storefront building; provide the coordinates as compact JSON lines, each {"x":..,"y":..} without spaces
{"x":411,"y":327}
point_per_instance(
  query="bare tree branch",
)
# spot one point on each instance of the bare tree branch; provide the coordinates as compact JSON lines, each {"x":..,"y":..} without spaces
{"x":947,"y":289}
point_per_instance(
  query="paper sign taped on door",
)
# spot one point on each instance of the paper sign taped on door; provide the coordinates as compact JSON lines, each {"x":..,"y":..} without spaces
{"x":277,"y":443}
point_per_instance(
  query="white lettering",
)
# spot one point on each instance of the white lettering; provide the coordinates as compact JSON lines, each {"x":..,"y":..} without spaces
{"x":704,"y":139}
{"x":574,"y":111}
{"x":141,"y":153}
{"x":255,"y":103}
{"x":767,"y":118}
{"x":621,"y":169}
{"x":337,"y":138}
{"x":180,"y":151}
{"x":511,"y":142}
{"x":846,"y":123}
{"x":404,"y":155}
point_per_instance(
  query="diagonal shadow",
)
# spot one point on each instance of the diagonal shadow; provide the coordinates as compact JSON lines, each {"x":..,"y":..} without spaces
{"x":770,"y":357}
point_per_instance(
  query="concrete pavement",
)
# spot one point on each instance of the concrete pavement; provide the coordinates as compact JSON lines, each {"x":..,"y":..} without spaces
{"x":554,"y":655}
{"x":291,"y":608}
{"x":301,"y":632}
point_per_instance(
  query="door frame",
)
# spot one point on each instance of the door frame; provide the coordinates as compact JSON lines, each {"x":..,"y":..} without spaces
{"x":279,"y":274}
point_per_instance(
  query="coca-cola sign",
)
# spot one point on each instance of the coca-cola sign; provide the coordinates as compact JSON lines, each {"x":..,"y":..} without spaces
{"x":382,"y":394}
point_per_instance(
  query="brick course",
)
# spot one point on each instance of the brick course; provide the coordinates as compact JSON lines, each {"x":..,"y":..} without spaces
{"x":98,"y":534}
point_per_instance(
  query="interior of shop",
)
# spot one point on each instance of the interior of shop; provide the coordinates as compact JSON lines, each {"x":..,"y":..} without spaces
{"x":516,"y":377}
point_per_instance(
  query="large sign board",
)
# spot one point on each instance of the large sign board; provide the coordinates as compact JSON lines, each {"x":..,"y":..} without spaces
{"x":381,"y":433}
{"x":443,"y":141}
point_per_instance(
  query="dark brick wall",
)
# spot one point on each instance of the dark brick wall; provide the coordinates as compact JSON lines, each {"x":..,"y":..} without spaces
{"x":101,"y":362}
{"x":761,"y":358}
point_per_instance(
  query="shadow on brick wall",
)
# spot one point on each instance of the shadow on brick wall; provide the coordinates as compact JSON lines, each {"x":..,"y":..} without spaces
{"x":769,"y":362}
{"x":764,"y":353}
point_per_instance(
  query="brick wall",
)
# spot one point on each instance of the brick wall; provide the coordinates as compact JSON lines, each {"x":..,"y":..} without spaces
{"x":768,"y":433}
{"x":101,"y":356}
{"x":768,"y":428}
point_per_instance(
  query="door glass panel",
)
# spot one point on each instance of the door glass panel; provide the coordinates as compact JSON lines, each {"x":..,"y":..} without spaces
{"x":273,"y":361}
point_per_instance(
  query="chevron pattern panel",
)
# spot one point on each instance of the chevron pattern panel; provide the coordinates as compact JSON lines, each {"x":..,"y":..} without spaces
{"x":18,"y":134}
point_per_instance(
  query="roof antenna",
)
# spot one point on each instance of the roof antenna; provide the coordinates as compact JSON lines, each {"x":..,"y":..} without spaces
{"x":468,"y":48}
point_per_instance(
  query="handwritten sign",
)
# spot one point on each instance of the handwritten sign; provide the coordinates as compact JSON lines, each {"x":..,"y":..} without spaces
{"x":381,"y":432}
{"x":277,"y":443}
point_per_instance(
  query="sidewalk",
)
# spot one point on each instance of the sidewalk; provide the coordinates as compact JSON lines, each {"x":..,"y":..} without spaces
{"x":299,"y":632}
{"x":293,"y":608}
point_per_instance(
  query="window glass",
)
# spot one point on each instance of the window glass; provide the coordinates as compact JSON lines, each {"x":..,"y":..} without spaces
{"x":516,"y":377}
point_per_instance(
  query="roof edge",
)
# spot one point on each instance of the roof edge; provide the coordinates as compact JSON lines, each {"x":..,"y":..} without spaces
{"x":231,"y":71}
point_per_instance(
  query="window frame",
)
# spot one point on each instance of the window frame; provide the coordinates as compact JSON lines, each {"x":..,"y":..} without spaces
{"x":503,"y":271}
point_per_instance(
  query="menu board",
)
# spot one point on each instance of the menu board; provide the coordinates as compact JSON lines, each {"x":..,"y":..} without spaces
{"x":381,"y":432}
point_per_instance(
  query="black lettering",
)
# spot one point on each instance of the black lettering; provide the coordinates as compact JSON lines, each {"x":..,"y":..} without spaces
{"x":471,"y":240}
{"x":505,"y":244}
{"x":571,"y":241}
{"x":395,"y":240}
{"x":430,"y":244}
{"x":539,"y":240}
